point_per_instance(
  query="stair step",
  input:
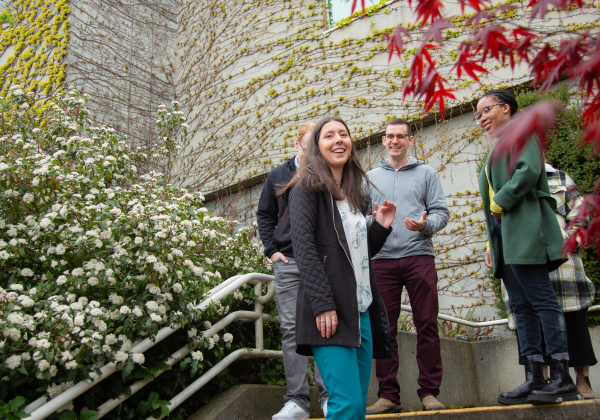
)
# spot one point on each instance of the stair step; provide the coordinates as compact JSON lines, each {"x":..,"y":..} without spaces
{"x":576,"y":410}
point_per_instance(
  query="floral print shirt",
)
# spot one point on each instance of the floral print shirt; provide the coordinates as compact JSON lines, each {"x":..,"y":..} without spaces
{"x":355,"y":228}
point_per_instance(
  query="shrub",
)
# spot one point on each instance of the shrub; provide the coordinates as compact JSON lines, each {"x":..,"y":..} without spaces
{"x":95,"y":254}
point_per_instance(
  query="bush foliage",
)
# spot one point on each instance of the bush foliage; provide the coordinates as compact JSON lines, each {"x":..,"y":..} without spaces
{"x":95,"y":254}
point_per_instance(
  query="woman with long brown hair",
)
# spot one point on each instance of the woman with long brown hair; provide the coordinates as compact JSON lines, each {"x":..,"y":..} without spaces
{"x":340,"y":316}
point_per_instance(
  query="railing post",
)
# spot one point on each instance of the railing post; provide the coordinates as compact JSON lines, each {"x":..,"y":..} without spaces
{"x":258,"y":325}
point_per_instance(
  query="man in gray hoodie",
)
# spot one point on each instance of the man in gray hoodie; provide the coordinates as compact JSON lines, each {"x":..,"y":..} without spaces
{"x":407,"y":259}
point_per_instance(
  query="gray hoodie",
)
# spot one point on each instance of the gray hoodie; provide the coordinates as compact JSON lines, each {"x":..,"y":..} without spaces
{"x":414,"y":188}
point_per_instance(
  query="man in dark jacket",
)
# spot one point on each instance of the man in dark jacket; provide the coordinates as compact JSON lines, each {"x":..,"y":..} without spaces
{"x":407,"y":259}
{"x":275,"y":232}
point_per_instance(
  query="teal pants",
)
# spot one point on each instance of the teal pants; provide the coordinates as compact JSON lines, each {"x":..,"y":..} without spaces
{"x":346,"y":372}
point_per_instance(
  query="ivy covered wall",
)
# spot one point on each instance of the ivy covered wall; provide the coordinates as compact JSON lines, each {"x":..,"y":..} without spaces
{"x":33,"y":45}
{"x":249,"y":72}
{"x":120,"y":52}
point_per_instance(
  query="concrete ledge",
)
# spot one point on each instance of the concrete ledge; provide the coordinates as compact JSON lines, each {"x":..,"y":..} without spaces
{"x":580,"y":410}
{"x":474,"y":375}
{"x":251,"y":402}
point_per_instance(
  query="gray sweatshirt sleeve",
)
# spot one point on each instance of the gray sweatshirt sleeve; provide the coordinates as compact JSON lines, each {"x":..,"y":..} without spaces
{"x":367,"y":189}
{"x":437,"y":209}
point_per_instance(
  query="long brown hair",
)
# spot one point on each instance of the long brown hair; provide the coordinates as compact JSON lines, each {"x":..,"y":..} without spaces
{"x":319,"y":176}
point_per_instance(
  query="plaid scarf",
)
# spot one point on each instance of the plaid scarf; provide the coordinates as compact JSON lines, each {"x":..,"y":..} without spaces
{"x":573,"y":289}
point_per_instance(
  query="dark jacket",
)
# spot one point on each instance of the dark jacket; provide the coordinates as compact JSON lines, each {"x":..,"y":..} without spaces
{"x":272,"y":215}
{"x":327,"y":277}
{"x":530,"y":231}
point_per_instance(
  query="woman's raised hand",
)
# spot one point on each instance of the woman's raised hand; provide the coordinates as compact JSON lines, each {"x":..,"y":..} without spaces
{"x":384,"y":214}
{"x":327,"y":323}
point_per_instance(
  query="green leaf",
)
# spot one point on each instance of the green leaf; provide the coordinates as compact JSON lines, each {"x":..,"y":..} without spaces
{"x":165,"y":409}
{"x":67,"y":415}
{"x":15,"y":403}
{"x":153,"y":396}
{"x":89,"y":415}
{"x":157,"y":367}
{"x":127,"y":370}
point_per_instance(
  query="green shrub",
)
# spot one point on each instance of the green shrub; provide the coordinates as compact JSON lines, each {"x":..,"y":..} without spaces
{"x":95,"y":255}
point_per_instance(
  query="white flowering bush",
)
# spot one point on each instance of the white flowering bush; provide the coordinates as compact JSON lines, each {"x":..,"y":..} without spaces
{"x":95,"y":254}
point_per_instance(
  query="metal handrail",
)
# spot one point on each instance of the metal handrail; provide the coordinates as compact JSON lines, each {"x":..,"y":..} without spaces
{"x":259,"y":352}
{"x":109,"y":405}
{"x":40,"y":409}
{"x":479,"y":324}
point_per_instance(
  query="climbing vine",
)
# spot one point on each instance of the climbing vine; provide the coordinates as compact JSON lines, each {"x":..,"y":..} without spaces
{"x":33,"y":45}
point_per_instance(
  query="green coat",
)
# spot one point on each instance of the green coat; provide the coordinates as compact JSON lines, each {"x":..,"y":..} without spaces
{"x":530,"y":231}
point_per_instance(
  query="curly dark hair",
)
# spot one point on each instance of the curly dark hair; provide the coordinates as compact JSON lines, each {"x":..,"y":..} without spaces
{"x":505,"y":96}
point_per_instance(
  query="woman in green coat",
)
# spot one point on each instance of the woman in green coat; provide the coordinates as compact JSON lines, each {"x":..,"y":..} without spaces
{"x":524,"y":245}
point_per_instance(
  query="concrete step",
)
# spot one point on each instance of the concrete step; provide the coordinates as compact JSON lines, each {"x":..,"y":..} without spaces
{"x":577,"y":410}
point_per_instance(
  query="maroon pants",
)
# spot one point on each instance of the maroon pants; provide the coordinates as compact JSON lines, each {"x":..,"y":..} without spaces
{"x":418,"y":274}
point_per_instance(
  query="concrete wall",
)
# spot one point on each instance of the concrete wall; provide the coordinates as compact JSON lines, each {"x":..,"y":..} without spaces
{"x":475,"y":373}
{"x":121,"y":53}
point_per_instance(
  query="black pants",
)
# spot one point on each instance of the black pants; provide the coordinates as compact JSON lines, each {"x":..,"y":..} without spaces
{"x":581,"y":351}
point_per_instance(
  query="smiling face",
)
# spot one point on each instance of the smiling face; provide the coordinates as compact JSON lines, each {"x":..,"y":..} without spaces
{"x":397,"y":146}
{"x":493,"y":113}
{"x":335,"y":145}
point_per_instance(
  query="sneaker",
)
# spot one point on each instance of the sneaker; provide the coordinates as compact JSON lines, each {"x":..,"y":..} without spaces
{"x":291,"y":411}
{"x":324,"y":408}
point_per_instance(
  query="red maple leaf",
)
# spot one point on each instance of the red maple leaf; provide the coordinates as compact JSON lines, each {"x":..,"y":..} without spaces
{"x":428,"y":10}
{"x":435,"y":30}
{"x":541,"y":6}
{"x":475,"y":4}
{"x":586,"y":223}
{"x":513,"y":136}
{"x":466,"y":64}
{"x":433,"y":88}
{"x":395,"y":41}
{"x":354,"y":4}
{"x":492,"y":41}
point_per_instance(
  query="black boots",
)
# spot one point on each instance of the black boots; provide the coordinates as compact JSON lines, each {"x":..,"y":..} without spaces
{"x":534,"y":380}
{"x":560,"y":388}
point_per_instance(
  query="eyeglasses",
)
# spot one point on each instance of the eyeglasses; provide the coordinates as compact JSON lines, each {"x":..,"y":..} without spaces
{"x":485,"y":112}
{"x":391,"y":137}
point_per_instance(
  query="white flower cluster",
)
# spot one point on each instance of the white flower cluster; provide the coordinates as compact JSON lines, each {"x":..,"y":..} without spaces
{"x":100,"y":255}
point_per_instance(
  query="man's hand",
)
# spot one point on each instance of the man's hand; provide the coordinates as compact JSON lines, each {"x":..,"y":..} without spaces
{"x":414,"y":225}
{"x":497,"y":215}
{"x":327,"y":323}
{"x":384,"y":214}
{"x":278,"y":256}
{"x":488,"y":259}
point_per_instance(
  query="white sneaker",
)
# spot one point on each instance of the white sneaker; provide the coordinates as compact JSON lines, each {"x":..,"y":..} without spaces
{"x":324,"y":408}
{"x":291,"y":411}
